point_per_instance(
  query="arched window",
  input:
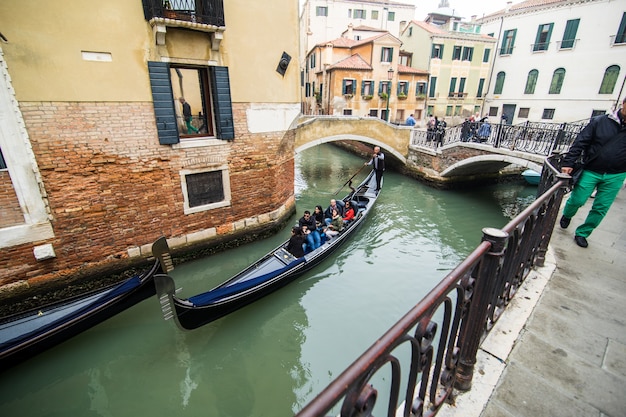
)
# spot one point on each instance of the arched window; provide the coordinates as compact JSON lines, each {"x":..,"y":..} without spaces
{"x":531,"y":82}
{"x":609,"y":80}
{"x":557,"y":81}
{"x":499,"y":83}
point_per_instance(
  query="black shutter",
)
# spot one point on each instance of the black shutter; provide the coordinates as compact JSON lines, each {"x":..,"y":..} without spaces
{"x":225,"y":128}
{"x":163,"y":101}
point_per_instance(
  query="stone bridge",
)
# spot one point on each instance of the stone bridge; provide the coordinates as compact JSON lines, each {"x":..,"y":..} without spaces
{"x":451,"y":161}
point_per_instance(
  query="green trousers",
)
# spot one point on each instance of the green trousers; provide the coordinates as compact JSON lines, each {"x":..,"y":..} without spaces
{"x":608,"y":185}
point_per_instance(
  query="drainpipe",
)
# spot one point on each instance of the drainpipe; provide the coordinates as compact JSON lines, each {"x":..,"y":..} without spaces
{"x":493,"y":65}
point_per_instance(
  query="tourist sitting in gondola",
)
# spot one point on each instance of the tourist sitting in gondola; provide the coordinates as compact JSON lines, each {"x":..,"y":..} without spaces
{"x":349,"y":213}
{"x":309,"y":228}
{"x":336,"y":224}
{"x":328,"y":214}
{"x":295,"y":242}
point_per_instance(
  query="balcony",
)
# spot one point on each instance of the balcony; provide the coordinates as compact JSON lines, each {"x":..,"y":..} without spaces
{"x":457,"y":95}
{"x":202,"y":12}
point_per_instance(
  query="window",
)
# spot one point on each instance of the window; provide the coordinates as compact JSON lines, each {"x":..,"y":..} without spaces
{"x":391,"y":16}
{"x":420,"y":89}
{"x":468,"y":53}
{"x":462,"y":85}
{"x":452,"y":85}
{"x":384,"y":87}
{"x":523,"y":112}
{"x":457,"y":110}
{"x":609,"y":80}
{"x":374,"y":14}
{"x":405,"y":60}
{"x":348,"y":87}
{"x":386,"y":54}
{"x":542,"y":40}
{"x":367,"y":88}
{"x":207,"y":91}
{"x":347,"y":112}
{"x":499,"y":83}
{"x":486,"y":55}
{"x":307,"y":90}
{"x":481,"y":85}
{"x":437,"y":51}
{"x":349,"y":13}
{"x":448,"y":110}
{"x":433,"y":84}
{"x":359,"y":14}
{"x":595,"y":113}
{"x":403,"y":88}
{"x":531,"y":82}
{"x":548,"y":114}
{"x":411,"y":31}
{"x":3,"y":164}
{"x":493,"y":111}
{"x":456,"y":53}
{"x":620,"y":37}
{"x":312,"y":61}
{"x":321,"y":11}
{"x":205,"y":190}
{"x":557,"y":81}
{"x":431,"y":110}
{"x":373,"y":112}
{"x":508,"y":42}
{"x":569,"y":36}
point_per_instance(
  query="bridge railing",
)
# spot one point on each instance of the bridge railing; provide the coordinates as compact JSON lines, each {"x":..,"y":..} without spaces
{"x":536,"y":138}
{"x":421,"y":360}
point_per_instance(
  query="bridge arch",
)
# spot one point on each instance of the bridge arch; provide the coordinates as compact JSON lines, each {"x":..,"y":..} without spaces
{"x":366,"y":139}
{"x":488,"y":163}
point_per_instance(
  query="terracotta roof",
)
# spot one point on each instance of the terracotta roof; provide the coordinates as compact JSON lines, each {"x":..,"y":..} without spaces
{"x":403,"y":69}
{"x":339,"y":43}
{"x":373,"y":38}
{"x":428,"y":27}
{"x":354,"y":62}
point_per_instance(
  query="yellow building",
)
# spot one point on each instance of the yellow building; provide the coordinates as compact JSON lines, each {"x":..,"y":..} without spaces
{"x":363,"y":78}
{"x":98,"y":160}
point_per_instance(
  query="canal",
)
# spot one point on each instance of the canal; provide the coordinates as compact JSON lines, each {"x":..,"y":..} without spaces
{"x":274,"y":356}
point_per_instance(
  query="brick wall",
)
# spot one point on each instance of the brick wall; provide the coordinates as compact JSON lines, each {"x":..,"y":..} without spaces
{"x":111,"y":186}
{"x":10,"y":212}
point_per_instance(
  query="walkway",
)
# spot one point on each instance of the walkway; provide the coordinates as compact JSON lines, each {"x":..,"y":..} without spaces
{"x":560,"y":348}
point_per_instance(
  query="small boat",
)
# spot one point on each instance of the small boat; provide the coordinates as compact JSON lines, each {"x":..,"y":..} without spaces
{"x":531,"y":176}
{"x":26,"y":334}
{"x":271,"y":272}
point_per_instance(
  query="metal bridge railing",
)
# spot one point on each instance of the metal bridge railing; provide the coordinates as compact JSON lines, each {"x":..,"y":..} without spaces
{"x":415,"y":367}
{"x":536,"y":138}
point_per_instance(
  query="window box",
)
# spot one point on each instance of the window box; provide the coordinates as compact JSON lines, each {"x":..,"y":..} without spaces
{"x":348,"y":96}
{"x":420,"y":97}
{"x":383,"y":95}
{"x":402,"y":96}
{"x":368,"y":97}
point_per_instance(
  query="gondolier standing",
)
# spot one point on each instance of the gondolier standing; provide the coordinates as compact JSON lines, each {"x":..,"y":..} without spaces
{"x":378,"y":161}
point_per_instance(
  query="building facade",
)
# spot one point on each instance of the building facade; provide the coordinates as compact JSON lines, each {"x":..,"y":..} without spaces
{"x":363,"y":78}
{"x":458,"y":60}
{"x":100,"y":154}
{"x":557,"y":60}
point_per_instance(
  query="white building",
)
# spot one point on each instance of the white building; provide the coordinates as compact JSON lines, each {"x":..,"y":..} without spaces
{"x":322,"y":20}
{"x":557,"y":60}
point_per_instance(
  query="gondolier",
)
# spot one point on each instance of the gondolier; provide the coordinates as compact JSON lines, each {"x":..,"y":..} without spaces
{"x":378,"y":162}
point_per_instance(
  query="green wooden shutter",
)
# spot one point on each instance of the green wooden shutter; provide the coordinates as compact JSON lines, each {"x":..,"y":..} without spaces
{"x":343,"y":86}
{"x":569,"y":36}
{"x":163,"y":102}
{"x":222,"y":105}
{"x":452,"y":85}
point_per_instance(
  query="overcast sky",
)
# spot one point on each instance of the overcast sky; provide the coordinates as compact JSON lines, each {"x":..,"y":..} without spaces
{"x":464,"y":8}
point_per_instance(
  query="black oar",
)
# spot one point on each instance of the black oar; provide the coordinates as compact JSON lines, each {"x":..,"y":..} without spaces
{"x":350,"y":180}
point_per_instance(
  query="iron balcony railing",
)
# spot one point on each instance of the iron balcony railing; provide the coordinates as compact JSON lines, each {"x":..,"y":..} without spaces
{"x":532,"y":137}
{"x":207,"y":12}
{"x":415,"y":367}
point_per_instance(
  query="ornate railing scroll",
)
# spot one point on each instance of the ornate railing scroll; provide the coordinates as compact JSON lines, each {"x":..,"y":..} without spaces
{"x":430,"y":353}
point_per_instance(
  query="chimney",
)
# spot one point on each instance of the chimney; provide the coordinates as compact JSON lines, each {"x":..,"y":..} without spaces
{"x":349,"y":34}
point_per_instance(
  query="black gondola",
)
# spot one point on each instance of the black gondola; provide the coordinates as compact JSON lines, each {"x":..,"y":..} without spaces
{"x":27,"y":334}
{"x":274,"y":270}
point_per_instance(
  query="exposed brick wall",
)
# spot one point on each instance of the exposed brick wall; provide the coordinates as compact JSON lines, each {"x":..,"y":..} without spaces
{"x":10,"y":212}
{"x":112,"y":186}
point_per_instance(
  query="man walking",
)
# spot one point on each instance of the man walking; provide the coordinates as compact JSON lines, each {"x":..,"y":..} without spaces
{"x":410,"y":121}
{"x":603,"y":141}
{"x":378,"y":161}
{"x":187,"y":116}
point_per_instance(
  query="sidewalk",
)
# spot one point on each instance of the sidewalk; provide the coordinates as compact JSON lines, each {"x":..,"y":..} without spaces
{"x":560,"y":347}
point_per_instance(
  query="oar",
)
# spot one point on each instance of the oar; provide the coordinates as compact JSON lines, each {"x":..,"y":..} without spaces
{"x":347,"y":182}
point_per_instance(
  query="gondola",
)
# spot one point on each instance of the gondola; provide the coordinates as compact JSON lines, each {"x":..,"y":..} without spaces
{"x":26,"y":334}
{"x":271,"y":272}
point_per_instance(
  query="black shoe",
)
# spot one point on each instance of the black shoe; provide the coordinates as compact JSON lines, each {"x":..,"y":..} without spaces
{"x":565,"y":222}
{"x":581,"y":241}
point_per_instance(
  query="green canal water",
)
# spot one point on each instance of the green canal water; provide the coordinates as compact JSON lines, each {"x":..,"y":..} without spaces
{"x":272,"y":357}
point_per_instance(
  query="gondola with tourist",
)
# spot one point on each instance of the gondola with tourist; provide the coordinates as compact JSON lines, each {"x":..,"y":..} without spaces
{"x":272,"y":271}
{"x":26,"y":334}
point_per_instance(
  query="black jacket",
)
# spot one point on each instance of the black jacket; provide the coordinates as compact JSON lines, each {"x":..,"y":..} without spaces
{"x":604,"y":142}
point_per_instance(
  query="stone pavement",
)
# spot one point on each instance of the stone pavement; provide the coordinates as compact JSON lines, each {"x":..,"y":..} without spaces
{"x":560,"y":347}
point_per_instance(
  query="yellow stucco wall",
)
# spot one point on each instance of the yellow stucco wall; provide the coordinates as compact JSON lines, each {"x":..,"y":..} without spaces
{"x":118,"y":27}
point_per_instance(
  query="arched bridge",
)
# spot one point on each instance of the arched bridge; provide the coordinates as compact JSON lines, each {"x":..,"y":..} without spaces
{"x":450,"y":154}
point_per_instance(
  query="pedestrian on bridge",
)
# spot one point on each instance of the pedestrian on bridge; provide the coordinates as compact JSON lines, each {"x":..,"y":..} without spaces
{"x":603,"y":142}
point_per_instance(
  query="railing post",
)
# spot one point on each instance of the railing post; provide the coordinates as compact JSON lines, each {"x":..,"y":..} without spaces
{"x":473,"y":324}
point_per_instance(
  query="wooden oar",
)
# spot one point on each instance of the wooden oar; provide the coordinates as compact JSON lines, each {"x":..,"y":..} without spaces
{"x":350,"y":180}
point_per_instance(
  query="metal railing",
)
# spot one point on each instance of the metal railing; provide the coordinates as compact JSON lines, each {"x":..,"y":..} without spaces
{"x":417,"y":365}
{"x":208,"y":12}
{"x":532,"y":137}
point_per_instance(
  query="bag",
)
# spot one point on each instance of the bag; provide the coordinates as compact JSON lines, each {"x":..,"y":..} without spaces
{"x":577,"y":171}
